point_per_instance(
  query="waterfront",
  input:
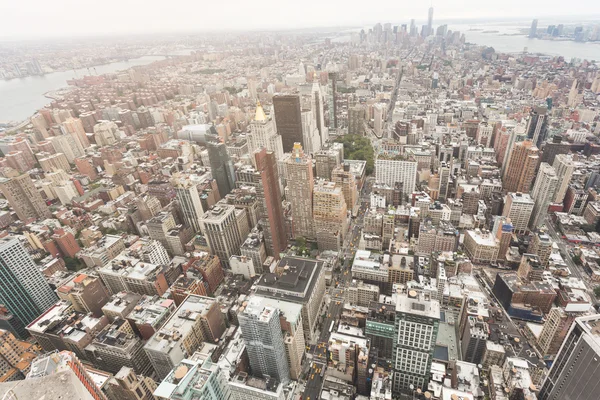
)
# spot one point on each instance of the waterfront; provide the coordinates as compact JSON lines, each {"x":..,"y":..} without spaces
{"x":20,"y":98}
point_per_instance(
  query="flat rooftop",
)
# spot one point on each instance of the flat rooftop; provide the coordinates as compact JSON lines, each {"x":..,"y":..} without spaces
{"x":295,"y":283}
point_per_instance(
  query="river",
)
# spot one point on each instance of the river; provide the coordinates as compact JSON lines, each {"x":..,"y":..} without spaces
{"x":20,"y":98}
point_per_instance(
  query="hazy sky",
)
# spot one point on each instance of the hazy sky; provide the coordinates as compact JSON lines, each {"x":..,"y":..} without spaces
{"x":43,"y":18}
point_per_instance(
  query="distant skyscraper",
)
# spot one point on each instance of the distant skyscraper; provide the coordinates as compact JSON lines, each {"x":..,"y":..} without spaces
{"x":261,"y":330}
{"x":288,"y":117}
{"x":24,"y":198}
{"x":543,"y":193}
{"x":533,"y":29}
{"x":521,"y":167}
{"x":330,"y":215}
{"x":575,"y":372}
{"x":299,"y":191}
{"x":317,"y":105}
{"x":221,"y":167}
{"x":269,"y":197}
{"x":23,"y":289}
{"x":430,"y":22}
{"x":564,"y":167}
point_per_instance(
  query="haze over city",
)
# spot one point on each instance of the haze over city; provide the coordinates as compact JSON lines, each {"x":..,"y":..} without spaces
{"x":299,"y":201}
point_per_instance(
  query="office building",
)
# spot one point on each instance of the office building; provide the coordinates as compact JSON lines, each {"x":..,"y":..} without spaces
{"x":537,"y":125}
{"x":149,"y":315}
{"x":541,"y":245}
{"x":416,"y":328}
{"x":557,"y":325}
{"x":348,"y":359}
{"x":329,"y":216}
{"x":503,"y":229}
{"x":288,"y":117}
{"x":254,"y":249}
{"x":543,"y":193}
{"x":429,"y":22}
{"x":575,"y":373}
{"x":117,"y":346}
{"x":328,"y":159}
{"x":390,"y":171}
{"x":263,"y":135}
{"x":362,"y":294}
{"x":269,"y":197}
{"x":86,"y":293}
{"x":198,"y":319}
{"x":127,"y":385}
{"x":225,"y":229}
{"x":209,"y":267}
{"x":189,"y":201}
{"x":299,"y":192}
{"x":345,"y":179}
{"x":380,"y":329}
{"x":533,"y":29}
{"x":564,"y":167}
{"x":23,"y":289}
{"x":297,"y":280}
{"x":261,"y":330}
{"x":518,"y":208}
{"x":521,"y":167}
{"x":24,"y":198}
{"x":246,"y":387}
{"x":481,"y":247}
{"x":474,"y":339}
{"x":221,"y":167}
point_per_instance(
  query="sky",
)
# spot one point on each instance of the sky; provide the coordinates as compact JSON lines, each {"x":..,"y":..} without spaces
{"x":46,"y":18}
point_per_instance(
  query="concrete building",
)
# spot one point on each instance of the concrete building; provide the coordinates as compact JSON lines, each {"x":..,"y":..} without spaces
{"x":518,"y":207}
{"x":189,"y":201}
{"x":225,"y":229}
{"x":541,"y":245}
{"x":522,"y":164}
{"x":481,"y":246}
{"x":288,"y":117}
{"x":297,"y":280}
{"x":543,"y":193}
{"x":263,"y":134}
{"x":23,"y":289}
{"x":416,"y":328}
{"x":198,"y":319}
{"x":329,"y":216}
{"x":24,"y":198}
{"x":86,"y":293}
{"x":245,"y":387}
{"x":346,"y":180}
{"x":262,"y":333}
{"x":474,"y":340}
{"x":564,"y":167}
{"x":254,"y":249}
{"x":362,"y":294}
{"x":299,"y":192}
{"x":127,"y":385}
{"x":574,"y":373}
{"x":348,"y":359}
{"x":390,"y":170}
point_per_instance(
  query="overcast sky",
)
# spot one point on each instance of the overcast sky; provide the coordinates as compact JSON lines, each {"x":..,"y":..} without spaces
{"x":44,"y":18}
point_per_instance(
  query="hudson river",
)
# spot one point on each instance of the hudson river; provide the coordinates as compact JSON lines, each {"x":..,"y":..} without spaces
{"x":20,"y":98}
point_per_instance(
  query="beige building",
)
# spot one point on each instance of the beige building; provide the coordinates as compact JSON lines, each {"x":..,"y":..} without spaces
{"x":344,"y":178}
{"x":481,"y":246}
{"x":24,"y":198}
{"x":299,"y":191}
{"x":52,"y":162}
{"x":329,"y":215}
{"x":86,"y":293}
{"x":518,"y":207}
{"x":225,"y":228}
{"x":362,"y":294}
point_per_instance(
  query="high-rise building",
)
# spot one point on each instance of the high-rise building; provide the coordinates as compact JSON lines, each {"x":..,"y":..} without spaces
{"x":416,"y":328}
{"x":345,"y":179}
{"x":348,"y":359}
{"x":299,"y":192}
{"x":503,"y":229}
{"x":557,"y":325}
{"x":24,"y":197}
{"x":537,"y":126}
{"x":329,"y":216}
{"x":533,"y":29}
{"x":261,"y":330}
{"x":541,"y":245}
{"x":189,"y":201}
{"x":518,"y":208}
{"x":225,"y":228}
{"x":221,"y":167}
{"x":430,"y":22}
{"x":264,"y":135}
{"x":474,"y":339}
{"x":23,"y":289}
{"x":564,"y":167}
{"x":269,"y":197}
{"x":288,"y":117}
{"x":543,"y":193}
{"x":521,"y":167}
{"x":575,"y":373}
{"x":326,"y":160}
{"x":391,"y":170}
{"x":318,"y":108}
{"x":86,"y":293}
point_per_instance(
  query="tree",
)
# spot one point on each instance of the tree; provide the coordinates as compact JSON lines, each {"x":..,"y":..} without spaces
{"x":576,"y":259}
{"x":597,"y":291}
{"x":73,"y":264}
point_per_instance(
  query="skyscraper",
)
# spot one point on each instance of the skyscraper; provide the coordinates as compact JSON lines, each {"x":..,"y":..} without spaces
{"x":263,"y":134}
{"x":564,"y":167}
{"x":537,"y":126}
{"x":543,"y":193}
{"x":521,"y":167}
{"x":575,"y":372}
{"x":416,"y":329}
{"x":318,"y":108}
{"x":299,"y":191}
{"x":189,"y":202}
{"x":269,"y":197}
{"x":288,"y":117}
{"x":533,"y":29}
{"x":22,"y":287}
{"x":430,"y":22}
{"x":225,"y":228}
{"x":221,"y":167}
{"x":330,"y":216}
{"x":24,"y":197}
{"x":261,"y":330}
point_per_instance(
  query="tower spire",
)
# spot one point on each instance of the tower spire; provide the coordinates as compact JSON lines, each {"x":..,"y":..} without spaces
{"x":260,"y":113}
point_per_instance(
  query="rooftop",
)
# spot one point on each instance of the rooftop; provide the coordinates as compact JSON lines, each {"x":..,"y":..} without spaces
{"x":295,"y":282}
